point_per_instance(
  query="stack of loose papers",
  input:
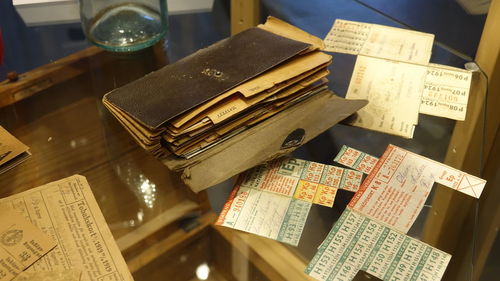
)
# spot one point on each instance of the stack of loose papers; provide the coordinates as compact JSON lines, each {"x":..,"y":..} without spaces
{"x":68,"y":221}
{"x":218,"y":92}
{"x":371,"y":233}
{"x":12,"y":151}
{"x":273,"y":200}
{"x":393,"y":73}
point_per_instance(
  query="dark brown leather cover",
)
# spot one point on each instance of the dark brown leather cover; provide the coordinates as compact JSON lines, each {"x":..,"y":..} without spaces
{"x":176,"y":88}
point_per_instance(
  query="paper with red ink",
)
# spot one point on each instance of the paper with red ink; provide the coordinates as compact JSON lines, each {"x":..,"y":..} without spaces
{"x":356,"y":159}
{"x":397,"y":188}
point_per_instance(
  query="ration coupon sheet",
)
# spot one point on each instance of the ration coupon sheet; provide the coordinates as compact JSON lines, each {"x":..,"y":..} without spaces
{"x":397,"y":78}
{"x":446,"y":91}
{"x":67,"y":211}
{"x":397,"y":188}
{"x":356,"y":159}
{"x":357,"y":242}
{"x":398,"y":92}
{"x":273,"y":200}
{"x":374,"y":40}
{"x":393,"y":89}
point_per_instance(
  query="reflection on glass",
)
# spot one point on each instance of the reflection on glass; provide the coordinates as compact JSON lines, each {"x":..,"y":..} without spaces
{"x":202,"y":271}
{"x":75,"y":143}
{"x":148,"y":191}
{"x":144,"y":188}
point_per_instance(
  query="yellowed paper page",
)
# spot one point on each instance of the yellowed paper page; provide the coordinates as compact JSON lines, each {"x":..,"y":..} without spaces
{"x":237,"y":103}
{"x":67,"y":211}
{"x":12,"y":151}
{"x":56,"y":275}
{"x":393,"y":90}
{"x":262,"y":83}
{"x":285,"y":29}
{"x":379,"y":41}
{"x":446,"y":92}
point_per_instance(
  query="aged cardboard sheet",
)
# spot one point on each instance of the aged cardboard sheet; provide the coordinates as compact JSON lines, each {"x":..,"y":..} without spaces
{"x":358,"y":38}
{"x":21,"y":243}
{"x":357,"y":242}
{"x":12,"y":151}
{"x":446,"y":91}
{"x":394,"y":90}
{"x":67,"y":211}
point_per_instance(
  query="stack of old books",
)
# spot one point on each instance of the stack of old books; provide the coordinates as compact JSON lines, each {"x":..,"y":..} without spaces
{"x":218,"y":92}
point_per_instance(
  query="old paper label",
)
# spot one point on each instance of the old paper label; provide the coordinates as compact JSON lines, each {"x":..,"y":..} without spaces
{"x":357,"y":242}
{"x":356,"y":159}
{"x":446,"y":92}
{"x":379,"y":41}
{"x":10,"y":148}
{"x":67,"y":211}
{"x":393,"y":90}
{"x":22,"y":243}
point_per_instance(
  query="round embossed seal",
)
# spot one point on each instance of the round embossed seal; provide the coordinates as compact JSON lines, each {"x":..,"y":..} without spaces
{"x":11,"y":237}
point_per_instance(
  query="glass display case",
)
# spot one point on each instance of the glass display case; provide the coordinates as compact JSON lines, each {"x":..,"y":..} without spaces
{"x":164,"y":230}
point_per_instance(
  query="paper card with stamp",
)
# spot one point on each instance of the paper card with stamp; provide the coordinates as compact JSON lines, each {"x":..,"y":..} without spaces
{"x":358,"y":38}
{"x":67,"y":211}
{"x":12,"y":151}
{"x":394,"y":91}
{"x":21,"y":243}
{"x":396,"y":190}
{"x":357,"y":242}
{"x":446,"y":91}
